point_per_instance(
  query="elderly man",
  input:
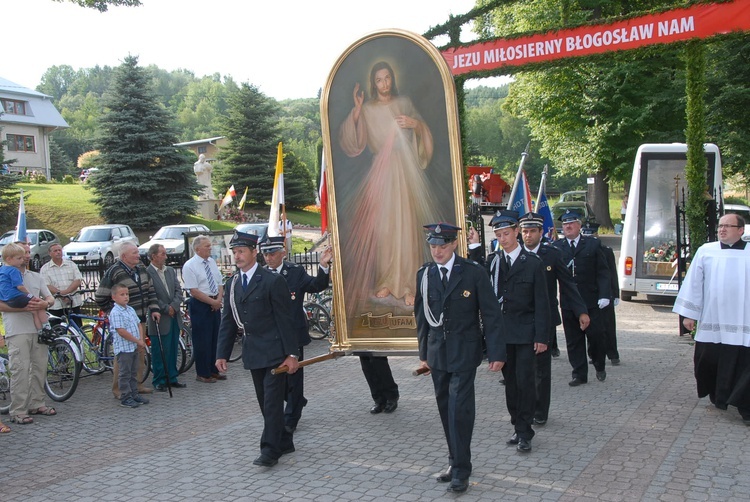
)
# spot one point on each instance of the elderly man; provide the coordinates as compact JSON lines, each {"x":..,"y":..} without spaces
{"x":129,"y":271}
{"x":257,"y":304}
{"x":452,"y":294}
{"x":299,"y":282}
{"x":585,"y":258}
{"x":713,"y":301}
{"x":202,"y":278}
{"x":169,"y":297}
{"x":28,"y":357}
{"x":62,"y":278}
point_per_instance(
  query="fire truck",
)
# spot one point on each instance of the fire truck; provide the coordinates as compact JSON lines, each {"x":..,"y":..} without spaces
{"x":494,"y":192}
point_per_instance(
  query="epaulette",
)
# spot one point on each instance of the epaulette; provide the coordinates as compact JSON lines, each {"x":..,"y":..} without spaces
{"x":427,"y":264}
{"x":472,"y":262}
{"x":291,"y":264}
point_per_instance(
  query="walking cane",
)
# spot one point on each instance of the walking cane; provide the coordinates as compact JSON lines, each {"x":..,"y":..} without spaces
{"x":163,"y":358}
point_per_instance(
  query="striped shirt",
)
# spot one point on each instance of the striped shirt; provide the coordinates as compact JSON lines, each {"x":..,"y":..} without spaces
{"x":125,"y":318}
{"x":61,"y":277}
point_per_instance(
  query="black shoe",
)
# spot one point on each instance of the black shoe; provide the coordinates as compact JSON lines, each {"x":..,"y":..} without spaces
{"x":290,"y":428}
{"x":502,"y":381}
{"x":615,"y":362}
{"x":378,"y":408}
{"x":524,"y":445}
{"x":555,"y":352}
{"x":513,"y":439}
{"x":265,"y":461}
{"x":445,"y":476}
{"x":287,"y":450}
{"x":576,"y":382}
{"x":178,"y":385}
{"x":540,"y":421}
{"x":160,"y":388}
{"x":458,"y":485}
{"x":601,"y":375}
{"x":390,"y":406}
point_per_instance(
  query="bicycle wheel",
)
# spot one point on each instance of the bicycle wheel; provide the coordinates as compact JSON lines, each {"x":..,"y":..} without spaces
{"x":186,"y":340}
{"x":63,"y":370}
{"x":181,"y":355}
{"x":319,"y":319}
{"x":146,"y":364}
{"x":236,"y":349}
{"x":4,"y":384}
{"x":92,"y":362}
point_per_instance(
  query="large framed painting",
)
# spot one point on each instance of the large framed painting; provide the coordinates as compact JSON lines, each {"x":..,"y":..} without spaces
{"x":392,"y":144}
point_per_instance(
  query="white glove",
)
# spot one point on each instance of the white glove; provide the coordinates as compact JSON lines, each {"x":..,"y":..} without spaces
{"x":603,"y":302}
{"x":617,"y":302}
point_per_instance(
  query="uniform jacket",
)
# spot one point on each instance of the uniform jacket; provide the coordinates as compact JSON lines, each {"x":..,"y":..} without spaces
{"x":614,"y":281}
{"x":300,"y":282}
{"x":523,"y":298}
{"x":166,"y":298}
{"x":457,"y":344}
{"x":589,"y":268}
{"x":265,"y":311}
{"x":558,"y":273}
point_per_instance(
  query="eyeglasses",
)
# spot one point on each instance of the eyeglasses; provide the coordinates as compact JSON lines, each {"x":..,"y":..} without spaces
{"x":730,"y":226}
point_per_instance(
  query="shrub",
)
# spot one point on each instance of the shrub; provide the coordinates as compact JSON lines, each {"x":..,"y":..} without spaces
{"x":68,"y":179}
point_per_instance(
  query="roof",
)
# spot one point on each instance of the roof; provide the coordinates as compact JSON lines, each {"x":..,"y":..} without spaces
{"x":199,"y":141}
{"x":43,"y":112}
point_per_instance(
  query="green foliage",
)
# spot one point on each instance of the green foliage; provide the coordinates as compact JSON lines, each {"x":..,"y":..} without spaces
{"x":9,"y":197}
{"x":60,"y":163}
{"x":143,"y":180}
{"x":252,"y":130}
{"x":695,"y":170}
{"x":68,"y":179}
{"x":299,"y":190}
{"x":103,"y":5}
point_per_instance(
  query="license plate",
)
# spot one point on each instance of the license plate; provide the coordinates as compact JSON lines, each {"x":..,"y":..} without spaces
{"x":666,"y":286}
{"x":79,"y":258}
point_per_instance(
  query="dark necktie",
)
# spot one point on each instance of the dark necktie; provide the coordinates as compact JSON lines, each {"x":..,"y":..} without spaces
{"x":444,"y":280}
{"x":573,"y":246}
{"x":507,"y":259}
{"x":244,"y":282}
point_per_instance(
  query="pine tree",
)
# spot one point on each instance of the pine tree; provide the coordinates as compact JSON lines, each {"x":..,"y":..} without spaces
{"x":252,"y":131}
{"x":144,"y":181}
{"x":9,"y":196}
{"x":60,"y":163}
{"x":299,"y":190}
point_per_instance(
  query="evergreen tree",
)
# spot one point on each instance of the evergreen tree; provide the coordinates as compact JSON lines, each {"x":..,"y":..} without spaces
{"x":299,"y":190}
{"x":252,"y":131}
{"x":8,"y":191}
{"x":144,"y":180}
{"x":60,"y":163}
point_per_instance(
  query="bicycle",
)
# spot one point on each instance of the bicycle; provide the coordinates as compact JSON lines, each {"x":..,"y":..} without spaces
{"x":319,"y":320}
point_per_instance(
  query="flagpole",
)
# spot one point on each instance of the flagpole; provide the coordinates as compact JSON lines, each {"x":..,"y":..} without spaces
{"x":518,"y":176}
{"x":541,"y":185}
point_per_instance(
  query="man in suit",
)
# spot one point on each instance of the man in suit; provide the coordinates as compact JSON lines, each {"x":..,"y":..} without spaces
{"x":257,"y":304}
{"x":299,"y":282}
{"x":169,"y":297}
{"x":451,"y":294}
{"x":383,"y":388}
{"x":519,"y":284}
{"x":585,"y":258}
{"x":532,"y":225}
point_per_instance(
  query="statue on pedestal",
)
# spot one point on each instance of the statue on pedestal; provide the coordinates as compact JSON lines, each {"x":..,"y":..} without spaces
{"x":203,"y":171}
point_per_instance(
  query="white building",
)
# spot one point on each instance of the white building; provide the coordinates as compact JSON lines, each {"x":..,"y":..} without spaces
{"x":27,"y":118}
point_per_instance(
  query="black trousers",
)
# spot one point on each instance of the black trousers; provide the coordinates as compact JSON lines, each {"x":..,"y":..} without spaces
{"x":380,"y":378}
{"x":295,"y":394}
{"x":544,"y":381}
{"x":270,"y":391}
{"x":205,"y":323}
{"x":520,"y":387}
{"x":576,"y":339}
{"x":454,"y":393}
{"x":610,"y":332}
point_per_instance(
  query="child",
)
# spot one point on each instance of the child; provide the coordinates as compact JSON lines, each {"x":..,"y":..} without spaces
{"x":127,"y":341}
{"x":12,"y":290}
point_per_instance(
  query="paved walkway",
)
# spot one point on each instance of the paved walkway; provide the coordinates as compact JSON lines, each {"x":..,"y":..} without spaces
{"x":640,"y":435}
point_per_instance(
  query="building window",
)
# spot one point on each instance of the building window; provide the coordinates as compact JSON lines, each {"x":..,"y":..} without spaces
{"x":201,"y":149}
{"x":13,"y":107}
{"x":20,"y":143}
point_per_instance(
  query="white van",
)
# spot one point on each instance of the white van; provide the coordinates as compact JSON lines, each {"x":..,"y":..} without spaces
{"x":647,"y":262}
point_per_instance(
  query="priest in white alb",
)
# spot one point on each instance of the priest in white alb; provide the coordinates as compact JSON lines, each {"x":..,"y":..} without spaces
{"x":714,"y":301}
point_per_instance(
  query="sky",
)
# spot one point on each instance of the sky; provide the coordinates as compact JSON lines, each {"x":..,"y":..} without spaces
{"x":284,"y":47}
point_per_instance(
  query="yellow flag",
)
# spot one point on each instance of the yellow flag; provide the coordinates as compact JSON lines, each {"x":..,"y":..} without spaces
{"x":277,"y":200}
{"x":243,"y":199}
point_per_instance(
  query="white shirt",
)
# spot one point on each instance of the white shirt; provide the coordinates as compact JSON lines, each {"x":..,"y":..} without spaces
{"x":61,"y":277}
{"x":449,"y":266}
{"x":194,"y":275}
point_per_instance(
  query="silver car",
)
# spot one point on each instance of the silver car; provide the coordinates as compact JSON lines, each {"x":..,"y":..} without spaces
{"x":172,"y":237}
{"x":99,"y":244}
{"x":39,"y":239}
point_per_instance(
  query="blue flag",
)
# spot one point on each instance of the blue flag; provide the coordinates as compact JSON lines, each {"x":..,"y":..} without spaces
{"x":521,"y":195}
{"x":21,"y":223}
{"x":542,"y":207}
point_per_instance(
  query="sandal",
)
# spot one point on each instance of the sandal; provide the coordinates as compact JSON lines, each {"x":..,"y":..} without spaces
{"x":21,"y":419}
{"x":4,"y":429}
{"x":46,"y":411}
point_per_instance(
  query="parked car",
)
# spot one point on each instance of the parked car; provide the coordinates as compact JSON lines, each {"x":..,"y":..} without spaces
{"x":172,"y":237}
{"x":743,"y":211}
{"x":573,"y":196}
{"x":583,"y":208}
{"x":99,"y":244}
{"x":39,"y":239}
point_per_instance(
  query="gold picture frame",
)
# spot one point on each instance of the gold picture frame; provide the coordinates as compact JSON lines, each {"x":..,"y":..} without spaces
{"x":393,"y":151}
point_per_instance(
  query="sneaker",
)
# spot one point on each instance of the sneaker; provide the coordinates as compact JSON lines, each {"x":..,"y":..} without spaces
{"x":129,"y":403}
{"x":140,"y":400}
